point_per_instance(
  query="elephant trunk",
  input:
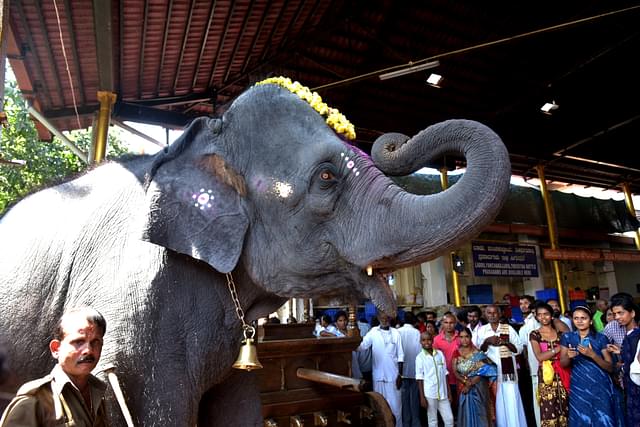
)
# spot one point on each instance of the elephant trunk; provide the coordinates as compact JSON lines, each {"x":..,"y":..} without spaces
{"x":413,"y":228}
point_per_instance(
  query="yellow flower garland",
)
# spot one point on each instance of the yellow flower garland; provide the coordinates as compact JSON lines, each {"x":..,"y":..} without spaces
{"x":334,"y":118}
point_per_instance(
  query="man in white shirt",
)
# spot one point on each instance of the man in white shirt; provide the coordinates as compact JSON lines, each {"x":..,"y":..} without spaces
{"x":473,"y":317}
{"x":387,"y":359}
{"x":410,"y":338}
{"x":431,"y":373}
{"x":500,"y":341}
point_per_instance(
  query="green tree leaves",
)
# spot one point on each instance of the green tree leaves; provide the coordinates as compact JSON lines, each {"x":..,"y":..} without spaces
{"x":46,"y":162}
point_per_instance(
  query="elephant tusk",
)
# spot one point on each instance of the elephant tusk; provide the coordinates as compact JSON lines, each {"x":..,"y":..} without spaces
{"x":369,"y":270}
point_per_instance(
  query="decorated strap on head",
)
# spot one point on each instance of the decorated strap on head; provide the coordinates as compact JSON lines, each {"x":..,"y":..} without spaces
{"x":334,"y":118}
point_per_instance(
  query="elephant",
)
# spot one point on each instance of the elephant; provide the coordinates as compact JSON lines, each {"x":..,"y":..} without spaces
{"x":267,"y":196}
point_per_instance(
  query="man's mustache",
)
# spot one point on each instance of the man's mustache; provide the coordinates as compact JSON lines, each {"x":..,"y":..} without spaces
{"x":86,"y":359}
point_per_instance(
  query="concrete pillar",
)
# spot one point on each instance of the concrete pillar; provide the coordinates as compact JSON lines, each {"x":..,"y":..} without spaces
{"x":298,"y":310}
{"x":607,"y":276}
{"x":434,"y":283}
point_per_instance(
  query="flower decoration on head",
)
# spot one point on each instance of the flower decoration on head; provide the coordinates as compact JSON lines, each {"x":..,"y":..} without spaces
{"x":333,"y":117}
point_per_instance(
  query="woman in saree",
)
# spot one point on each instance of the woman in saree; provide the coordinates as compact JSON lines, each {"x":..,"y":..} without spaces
{"x":474,"y":370}
{"x":553,"y":379}
{"x":593,"y":399}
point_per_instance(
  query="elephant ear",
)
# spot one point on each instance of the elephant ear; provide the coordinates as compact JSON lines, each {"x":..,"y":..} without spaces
{"x":197,"y":210}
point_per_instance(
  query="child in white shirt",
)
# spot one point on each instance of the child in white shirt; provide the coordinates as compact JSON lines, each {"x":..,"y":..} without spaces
{"x":431,"y":373}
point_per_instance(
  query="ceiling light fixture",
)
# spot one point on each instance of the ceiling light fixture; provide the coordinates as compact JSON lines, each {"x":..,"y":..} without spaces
{"x":409,"y":70}
{"x":548,"y":108}
{"x":434,"y":80}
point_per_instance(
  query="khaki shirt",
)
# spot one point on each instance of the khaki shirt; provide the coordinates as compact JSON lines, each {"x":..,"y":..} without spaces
{"x":55,"y":401}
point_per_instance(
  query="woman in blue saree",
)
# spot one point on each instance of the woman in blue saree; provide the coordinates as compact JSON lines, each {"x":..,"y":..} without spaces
{"x":474,"y":370}
{"x":593,"y":399}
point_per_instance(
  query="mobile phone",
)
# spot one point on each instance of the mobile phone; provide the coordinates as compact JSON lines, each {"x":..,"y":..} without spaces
{"x":585,"y":342}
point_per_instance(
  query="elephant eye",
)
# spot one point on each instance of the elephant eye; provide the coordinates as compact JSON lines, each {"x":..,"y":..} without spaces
{"x":327,"y":175}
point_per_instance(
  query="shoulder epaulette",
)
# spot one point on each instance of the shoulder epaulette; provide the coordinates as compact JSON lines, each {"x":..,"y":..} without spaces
{"x":32,"y":387}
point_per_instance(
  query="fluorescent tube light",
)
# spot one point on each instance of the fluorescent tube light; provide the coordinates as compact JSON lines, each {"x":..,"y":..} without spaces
{"x":409,"y":70}
{"x":548,"y":108}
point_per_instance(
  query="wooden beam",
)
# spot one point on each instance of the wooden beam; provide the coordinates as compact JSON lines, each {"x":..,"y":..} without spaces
{"x":123,"y":111}
{"x":185,"y":36}
{"x":238,"y":40}
{"x":47,"y":47}
{"x":203,"y":45}
{"x":221,"y":44}
{"x":143,"y":39}
{"x":167,"y":24}
{"x":74,"y":50}
{"x":256,"y":36}
{"x":34,"y":57}
{"x":294,"y":19}
{"x":267,"y":45}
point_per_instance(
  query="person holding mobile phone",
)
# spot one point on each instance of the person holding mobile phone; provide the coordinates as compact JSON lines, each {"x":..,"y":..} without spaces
{"x":593,"y":398}
{"x":626,"y":314}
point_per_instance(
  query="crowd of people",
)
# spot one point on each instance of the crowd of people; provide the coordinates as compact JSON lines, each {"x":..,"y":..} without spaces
{"x":476,"y":367}
{"x":471,"y":368}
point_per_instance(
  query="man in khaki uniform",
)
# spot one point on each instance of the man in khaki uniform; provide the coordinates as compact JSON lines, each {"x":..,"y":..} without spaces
{"x":69,"y":395}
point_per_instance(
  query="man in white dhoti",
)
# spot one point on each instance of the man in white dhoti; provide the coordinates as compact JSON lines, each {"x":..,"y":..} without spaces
{"x":501,"y":344}
{"x":529,"y":362}
{"x":409,"y":392}
{"x":387,"y":358}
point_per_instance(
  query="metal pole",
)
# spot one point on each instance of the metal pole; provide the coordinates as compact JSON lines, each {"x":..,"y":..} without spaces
{"x":628,"y":201}
{"x":444,"y":183}
{"x":136,"y":132}
{"x":66,"y":141}
{"x":107,"y":99}
{"x":553,"y":236}
{"x":444,"y":178}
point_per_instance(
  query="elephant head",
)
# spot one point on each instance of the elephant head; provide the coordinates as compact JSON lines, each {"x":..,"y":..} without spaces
{"x":271,"y":189}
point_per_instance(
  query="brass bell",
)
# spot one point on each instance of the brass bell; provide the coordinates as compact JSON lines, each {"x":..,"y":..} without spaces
{"x":248,"y":357}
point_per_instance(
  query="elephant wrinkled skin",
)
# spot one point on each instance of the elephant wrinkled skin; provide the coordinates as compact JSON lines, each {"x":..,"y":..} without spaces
{"x":267,"y":192}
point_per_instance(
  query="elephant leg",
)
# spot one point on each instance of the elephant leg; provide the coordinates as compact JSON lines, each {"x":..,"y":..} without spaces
{"x":234,"y":402}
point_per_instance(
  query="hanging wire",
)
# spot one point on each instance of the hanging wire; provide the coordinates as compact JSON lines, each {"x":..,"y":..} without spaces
{"x":66,"y":62}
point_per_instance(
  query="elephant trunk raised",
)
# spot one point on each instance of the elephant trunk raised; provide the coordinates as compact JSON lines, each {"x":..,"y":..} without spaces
{"x":268,"y":193}
{"x":416,"y":228}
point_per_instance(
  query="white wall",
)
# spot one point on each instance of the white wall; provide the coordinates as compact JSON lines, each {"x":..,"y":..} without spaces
{"x":627,"y":277}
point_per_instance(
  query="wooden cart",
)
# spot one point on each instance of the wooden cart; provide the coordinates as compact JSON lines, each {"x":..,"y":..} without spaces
{"x":307,"y":381}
